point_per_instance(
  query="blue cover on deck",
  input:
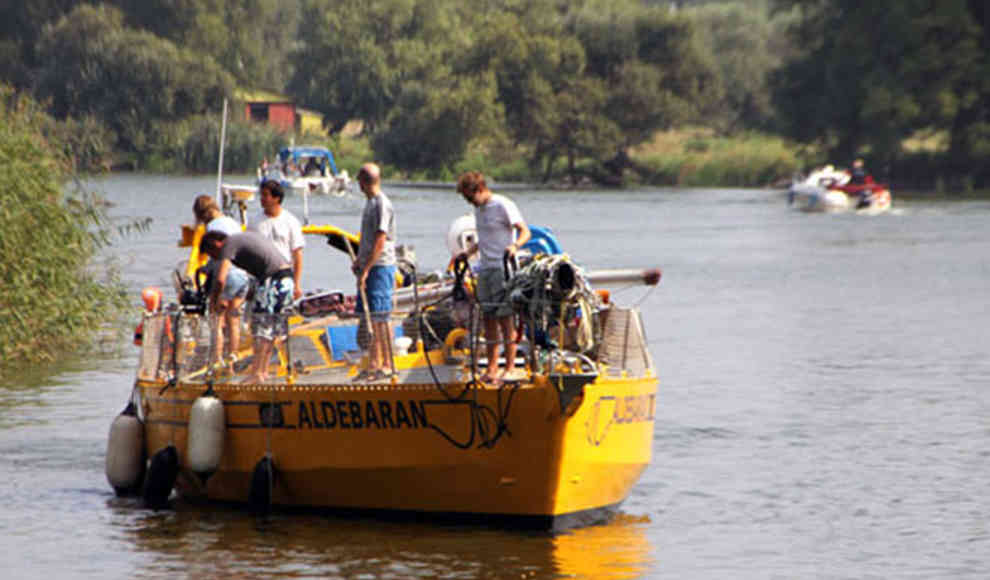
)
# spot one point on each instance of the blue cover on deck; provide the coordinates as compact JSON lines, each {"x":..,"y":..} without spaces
{"x":343,"y":339}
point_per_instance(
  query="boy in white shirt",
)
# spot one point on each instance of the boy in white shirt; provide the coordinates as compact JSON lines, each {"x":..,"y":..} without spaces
{"x":282,"y":228}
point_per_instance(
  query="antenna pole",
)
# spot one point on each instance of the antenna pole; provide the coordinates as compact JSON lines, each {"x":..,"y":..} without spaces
{"x":223,"y":136}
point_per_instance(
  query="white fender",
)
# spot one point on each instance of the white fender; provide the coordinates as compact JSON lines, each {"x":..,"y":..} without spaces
{"x":204,"y":445}
{"x":461,"y":234}
{"x":125,"y":451}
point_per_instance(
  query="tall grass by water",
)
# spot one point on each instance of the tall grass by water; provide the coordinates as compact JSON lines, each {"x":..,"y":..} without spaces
{"x":52,"y":296}
{"x":698,"y":158}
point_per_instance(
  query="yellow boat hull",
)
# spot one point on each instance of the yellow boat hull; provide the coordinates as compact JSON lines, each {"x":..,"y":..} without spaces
{"x":509,"y":452}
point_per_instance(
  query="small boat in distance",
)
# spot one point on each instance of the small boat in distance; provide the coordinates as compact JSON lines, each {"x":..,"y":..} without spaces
{"x":306,"y":169}
{"x":559,"y":444}
{"x":829,"y":189}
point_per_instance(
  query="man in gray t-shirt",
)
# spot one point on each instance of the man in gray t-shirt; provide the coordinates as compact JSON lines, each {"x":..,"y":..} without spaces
{"x":501,"y":232}
{"x":254,"y":253}
{"x":257,"y":255}
{"x":378,"y":217}
{"x":375,"y":271}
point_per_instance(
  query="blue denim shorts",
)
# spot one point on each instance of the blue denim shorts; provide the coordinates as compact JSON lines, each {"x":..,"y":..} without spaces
{"x":238,"y":282}
{"x":381,"y":281}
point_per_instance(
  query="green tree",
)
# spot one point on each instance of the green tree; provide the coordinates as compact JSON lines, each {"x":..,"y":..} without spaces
{"x":657,"y":75}
{"x":539,"y":71}
{"x":354,"y":58}
{"x":435,"y":121}
{"x":20,"y":30}
{"x":969,"y":146}
{"x":747,"y":43}
{"x":343,"y":67}
{"x":871,"y":74}
{"x":131,"y":80}
{"x":249,"y":38}
{"x":580,"y":126}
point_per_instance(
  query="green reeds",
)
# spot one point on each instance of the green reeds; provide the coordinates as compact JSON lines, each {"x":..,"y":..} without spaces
{"x":52,"y":298}
{"x":701,"y":159}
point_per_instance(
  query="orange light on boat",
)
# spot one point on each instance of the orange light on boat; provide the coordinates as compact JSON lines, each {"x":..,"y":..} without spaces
{"x":152,"y":298}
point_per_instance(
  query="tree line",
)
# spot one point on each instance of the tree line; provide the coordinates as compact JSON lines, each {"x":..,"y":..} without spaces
{"x":570,"y":87}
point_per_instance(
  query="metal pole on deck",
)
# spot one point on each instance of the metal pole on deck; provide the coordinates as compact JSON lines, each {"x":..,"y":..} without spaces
{"x":223,"y":136}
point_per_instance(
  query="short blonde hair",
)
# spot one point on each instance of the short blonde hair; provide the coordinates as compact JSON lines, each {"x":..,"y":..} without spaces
{"x":204,"y":207}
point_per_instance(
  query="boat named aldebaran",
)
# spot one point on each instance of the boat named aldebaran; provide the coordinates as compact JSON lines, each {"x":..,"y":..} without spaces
{"x":559,"y":446}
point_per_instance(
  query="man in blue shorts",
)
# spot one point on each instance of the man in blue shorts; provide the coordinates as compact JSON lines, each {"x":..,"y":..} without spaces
{"x":258,"y":256}
{"x":374,"y":267}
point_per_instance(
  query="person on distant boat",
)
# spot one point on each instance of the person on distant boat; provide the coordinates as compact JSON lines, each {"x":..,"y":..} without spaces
{"x":227,"y":304}
{"x":859,"y":176}
{"x":281,"y":227}
{"x":374,"y":267}
{"x":501,"y":232}
{"x":258,"y":256}
{"x":312,"y":168}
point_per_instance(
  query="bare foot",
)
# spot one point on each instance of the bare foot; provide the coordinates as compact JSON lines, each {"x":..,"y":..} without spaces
{"x":363,"y":376}
{"x":513,"y":375}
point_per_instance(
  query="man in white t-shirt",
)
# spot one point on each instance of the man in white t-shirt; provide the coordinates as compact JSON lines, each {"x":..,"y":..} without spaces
{"x":501,"y":231}
{"x":281,"y":227}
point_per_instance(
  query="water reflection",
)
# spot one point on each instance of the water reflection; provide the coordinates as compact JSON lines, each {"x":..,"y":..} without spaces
{"x":618,"y":550}
{"x":200,"y":541}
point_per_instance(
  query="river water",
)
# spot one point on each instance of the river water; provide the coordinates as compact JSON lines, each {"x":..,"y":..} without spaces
{"x":824,"y":406}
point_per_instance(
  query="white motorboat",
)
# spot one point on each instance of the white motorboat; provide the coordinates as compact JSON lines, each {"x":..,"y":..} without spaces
{"x":828,"y":189}
{"x":307,"y":169}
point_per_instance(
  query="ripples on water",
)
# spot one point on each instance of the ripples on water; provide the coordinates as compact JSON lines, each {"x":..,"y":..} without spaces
{"x":822,"y":410}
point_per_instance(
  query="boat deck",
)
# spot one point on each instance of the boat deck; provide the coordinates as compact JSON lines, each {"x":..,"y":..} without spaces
{"x":345,"y":375}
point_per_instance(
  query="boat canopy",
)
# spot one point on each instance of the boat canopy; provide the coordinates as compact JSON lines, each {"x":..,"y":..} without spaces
{"x":322,"y":155}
